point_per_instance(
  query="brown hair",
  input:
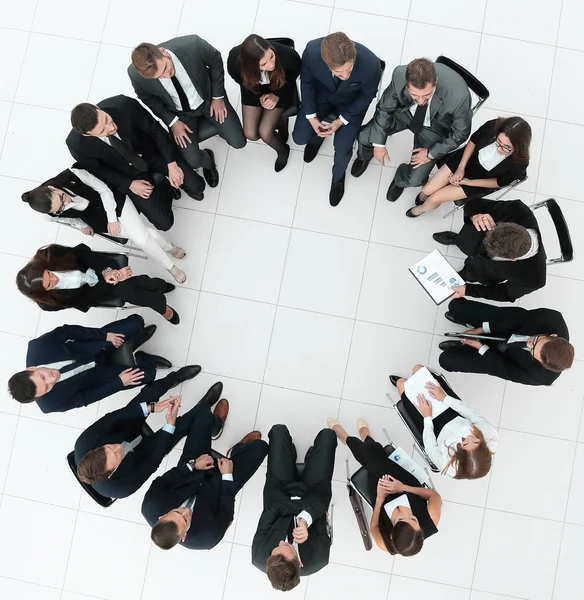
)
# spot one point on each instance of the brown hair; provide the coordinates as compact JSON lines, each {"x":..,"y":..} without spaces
{"x":29,"y":280}
{"x":337,"y":49}
{"x":420,"y":72}
{"x":92,"y":467}
{"x":252,"y":51}
{"x":557,"y":354}
{"x":471,"y":464}
{"x":144,"y":59}
{"x":507,"y":240}
{"x":165,"y":534}
{"x":400,"y":538}
{"x":284,"y":574}
{"x":519,"y":133}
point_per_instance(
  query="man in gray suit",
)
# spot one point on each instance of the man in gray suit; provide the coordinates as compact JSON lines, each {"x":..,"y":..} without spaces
{"x":430,"y":100}
{"x":182,"y":82}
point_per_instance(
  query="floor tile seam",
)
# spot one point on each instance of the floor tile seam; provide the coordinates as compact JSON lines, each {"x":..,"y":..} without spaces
{"x":230,"y":553}
{"x":147,"y":559}
{"x":180,"y":16}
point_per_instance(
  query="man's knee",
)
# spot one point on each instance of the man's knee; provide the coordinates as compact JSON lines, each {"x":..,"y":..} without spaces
{"x":163,"y":222}
{"x":447,"y":360}
{"x":303,"y":132}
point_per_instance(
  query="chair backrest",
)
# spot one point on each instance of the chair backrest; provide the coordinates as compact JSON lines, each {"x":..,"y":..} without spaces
{"x":103,"y":501}
{"x":564,"y":238}
{"x":474,"y":85}
{"x":360,"y":479}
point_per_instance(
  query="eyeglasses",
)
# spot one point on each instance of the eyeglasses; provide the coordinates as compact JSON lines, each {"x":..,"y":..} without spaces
{"x":62,"y":207}
{"x":535,"y":343}
{"x":505,"y":147}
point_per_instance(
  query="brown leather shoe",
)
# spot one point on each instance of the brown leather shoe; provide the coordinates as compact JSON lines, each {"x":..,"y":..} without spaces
{"x":221,"y":410}
{"x":252,"y":436}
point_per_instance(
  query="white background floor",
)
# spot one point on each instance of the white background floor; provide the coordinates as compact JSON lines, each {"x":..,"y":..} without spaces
{"x":300,"y":309}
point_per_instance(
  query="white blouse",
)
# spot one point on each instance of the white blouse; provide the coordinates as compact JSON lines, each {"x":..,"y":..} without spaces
{"x":454,"y":431}
{"x":72,"y":280}
{"x":489,"y":157}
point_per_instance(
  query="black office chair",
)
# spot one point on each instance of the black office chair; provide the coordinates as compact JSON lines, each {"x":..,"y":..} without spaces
{"x":566,"y":248}
{"x":103,"y":501}
{"x":478,"y":88}
{"x":120,"y":261}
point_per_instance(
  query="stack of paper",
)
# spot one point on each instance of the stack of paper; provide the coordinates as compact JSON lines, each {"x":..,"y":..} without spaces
{"x":416,"y":384}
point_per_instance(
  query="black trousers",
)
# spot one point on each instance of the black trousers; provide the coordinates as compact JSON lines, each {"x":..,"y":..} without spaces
{"x":142,"y":290}
{"x":282,"y":476}
{"x":157,"y":208}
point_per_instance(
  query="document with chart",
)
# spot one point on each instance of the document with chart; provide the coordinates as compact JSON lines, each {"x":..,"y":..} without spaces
{"x":437,"y":276}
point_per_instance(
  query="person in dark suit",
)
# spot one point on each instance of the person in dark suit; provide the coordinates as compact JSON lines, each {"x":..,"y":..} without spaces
{"x":59,"y":277}
{"x":496,"y":155}
{"x":192,"y":504}
{"x":73,"y":366}
{"x":536,"y":351}
{"x":430,"y":100}
{"x":292,"y":538}
{"x":338,"y":77}
{"x":505,"y":253}
{"x":115,"y":457}
{"x":266,"y":73}
{"x":405,"y":513}
{"x":182,"y":81}
{"x":81,"y":200}
{"x":119,"y":142}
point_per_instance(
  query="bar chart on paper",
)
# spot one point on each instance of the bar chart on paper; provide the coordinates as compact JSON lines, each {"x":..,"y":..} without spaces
{"x":437,"y":276}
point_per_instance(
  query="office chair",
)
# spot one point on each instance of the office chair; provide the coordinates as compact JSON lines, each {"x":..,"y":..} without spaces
{"x":555,"y":212}
{"x":478,"y":88}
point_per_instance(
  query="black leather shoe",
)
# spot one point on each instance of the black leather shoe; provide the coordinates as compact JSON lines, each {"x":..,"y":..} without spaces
{"x":282,"y":159}
{"x":159,"y":361}
{"x":198,"y":197}
{"x":141,"y":337}
{"x":175,"y":319}
{"x":186,"y":373}
{"x":394,"y":379}
{"x":212,"y":396}
{"x":445,"y":237}
{"x":311,"y":150}
{"x":449,"y":316}
{"x":409,"y":213}
{"x":418,"y":201}
{"x":449,"y":345}
{"x":170,"y":287}
{"x":337,"y":191}
{"x":211,"y":175}
{"x":359,"y":167}
{"x":175,"y":193}
{"x":394,"y":192}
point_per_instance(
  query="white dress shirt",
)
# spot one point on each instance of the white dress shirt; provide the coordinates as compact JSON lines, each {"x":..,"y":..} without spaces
{"x":489,"y":157}
{"x":72,"y":280}
{"x":264,"y":77}
{"x":438,"y":449}
{"x":71,"y":373}
{"x":399,"y":501}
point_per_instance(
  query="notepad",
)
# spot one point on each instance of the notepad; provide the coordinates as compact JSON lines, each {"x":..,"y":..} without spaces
{"x":437,"y":276}
{"x":406,"y":462}
{"x":416,"y":384}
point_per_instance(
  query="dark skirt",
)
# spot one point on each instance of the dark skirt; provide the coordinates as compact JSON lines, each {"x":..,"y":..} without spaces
{"x":249,"y":98}
{"x":473,"y":170}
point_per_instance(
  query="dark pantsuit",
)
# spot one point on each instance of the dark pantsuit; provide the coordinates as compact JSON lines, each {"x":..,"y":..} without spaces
{"x":230,"y":130}
{"x":157,"y":208}
{"x":193,"y":183}
{"x":343,"y":138}
{"x":143,"y":291}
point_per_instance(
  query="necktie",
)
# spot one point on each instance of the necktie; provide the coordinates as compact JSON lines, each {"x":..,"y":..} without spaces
{"x":336,"y":81}
{"x":74,"y":365}
{"x":128,"y":154}
{"x":181,"y":94}
{"x":417,"y":122}
{"x":129,"y":446}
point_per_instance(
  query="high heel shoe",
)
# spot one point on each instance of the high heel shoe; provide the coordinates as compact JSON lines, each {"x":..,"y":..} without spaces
{"x":175,"y":319}
{"x":178,"y":275}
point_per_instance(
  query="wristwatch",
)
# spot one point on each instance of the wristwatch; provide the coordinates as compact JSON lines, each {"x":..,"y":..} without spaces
{"x":152,"y":407}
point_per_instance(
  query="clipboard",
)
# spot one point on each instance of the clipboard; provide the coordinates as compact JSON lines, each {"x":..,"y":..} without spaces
{"x":475,"y":336}
{"x":436,"y":276}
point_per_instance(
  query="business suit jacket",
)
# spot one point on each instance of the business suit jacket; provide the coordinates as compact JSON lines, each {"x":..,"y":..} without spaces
{"x":450,"y":110}
{"x":204,"y":66}
{"x":291,"y":63}
{"x":125,"y":424}
{"x":138,"y":129}
{"x":213,"y":510}
{"x":83,"y":344}
{"x":276,"y":522}
{"x":94,"y":215}
{"x":505,"y":281}
{"x":512,"y":362}
{"x":352,"y":97}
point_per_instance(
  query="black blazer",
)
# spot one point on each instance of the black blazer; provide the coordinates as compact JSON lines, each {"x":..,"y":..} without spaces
{"x":138,"y":129}
{"x":276,"y":521}
{"x":94,"y":215}
{"x":353,"y":97}
{"x":125,"y":424}
{"x":213,"y":510}
{"x":73,"y":342}
{"x":204,"y":66}
{"x":291,"y":63}
{"x":514,"y":363}
{"x":505,"y":281}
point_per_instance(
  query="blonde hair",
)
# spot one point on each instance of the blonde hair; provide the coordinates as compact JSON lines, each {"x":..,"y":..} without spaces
{"x":471,"y":464}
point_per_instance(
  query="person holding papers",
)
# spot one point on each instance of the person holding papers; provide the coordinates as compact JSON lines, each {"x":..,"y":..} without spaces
{"x":405,"y":513}
{"x":456,"y":437}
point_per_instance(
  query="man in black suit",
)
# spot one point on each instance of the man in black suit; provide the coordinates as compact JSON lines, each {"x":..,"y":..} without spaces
{"x":73,"y":366}
{"x":535,"y":352}
{"x":122,"y":144}
{"x":504,"y":249}
{"x":293,"y":538}
{"x":340,"y":78}
{"x":430,"y":100}
{"x":193,"y":503}
{"x":116,"y":458}
{"x":182,"y":81}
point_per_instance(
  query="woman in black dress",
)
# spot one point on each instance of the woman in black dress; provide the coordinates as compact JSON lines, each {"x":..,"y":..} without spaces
{"x":496,"y":155}
{"x":59,"y":277}
{"x":405,"y":513}
{"x":267,"y":74}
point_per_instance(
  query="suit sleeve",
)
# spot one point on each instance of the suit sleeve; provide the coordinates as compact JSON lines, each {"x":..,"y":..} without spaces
{"x":76,"y":341}
{"x":501,"y":211}
{"x":515,"y":171}
{"x":259,"y":553}
{"x":501,"y":292}
{"x":88,"y":396}
{"x":366,"y":96}
{"x":459,"y":129}
{"x":92,"y":259}
{"x":314,"y":505}
{"x":212,"y":59}
{"x":154,"y":103}
{"x":383,"y":118}
{"x":307,"y":86}
{"x":499,"y":366}
{"x":153,"y":129}
{"x":226,"y":504}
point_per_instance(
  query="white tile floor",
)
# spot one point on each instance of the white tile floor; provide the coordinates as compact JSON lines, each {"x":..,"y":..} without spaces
{"x":300,"y":309}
